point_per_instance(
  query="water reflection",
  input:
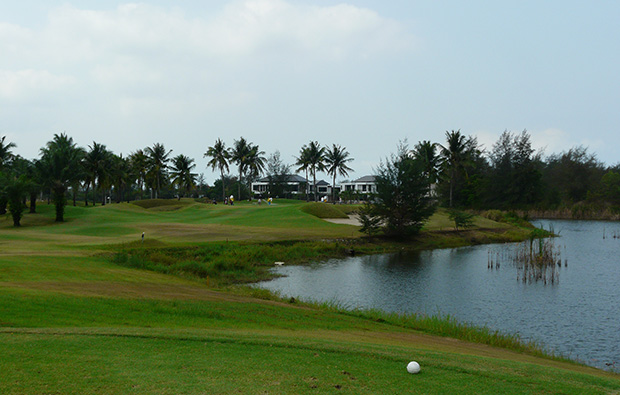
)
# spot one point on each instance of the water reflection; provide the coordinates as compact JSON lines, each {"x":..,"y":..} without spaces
{"x":576,"y":317}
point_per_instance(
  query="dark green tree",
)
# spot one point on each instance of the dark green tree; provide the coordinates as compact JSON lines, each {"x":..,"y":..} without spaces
{"x":220,"y":157}
{"x":304,"y":163}
{"x":59,"y":167}
{"x":16,"y":191}
{"x":250,"y":161}
{"x":459,"y":157}
{"x":97,"y":165}
{"x":336,"y":160}
{"x":278,"y":173}
{"x":139,"y":167}
{"x":181,"y":173}
{"x":316,"y":157}
{"x":5,"y":152}
{"x":573,"y":174}
{"x":256,"y":164}
{"x":515,"y":177}
{"x":239,"y":155}
{"x":158,"y":165}
{"x":426,"y":153}
{"x":611,"y":187}
{"x":403,"y":199}
{"x":121,"y":176}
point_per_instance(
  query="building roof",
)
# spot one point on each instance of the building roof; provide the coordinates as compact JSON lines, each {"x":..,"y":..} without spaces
{"x":289,"y":178}
{"x":322,"y":182}
{"x":365,"y":179}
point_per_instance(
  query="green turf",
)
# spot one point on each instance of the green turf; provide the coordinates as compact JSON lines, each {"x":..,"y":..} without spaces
{"x":72,"y":321}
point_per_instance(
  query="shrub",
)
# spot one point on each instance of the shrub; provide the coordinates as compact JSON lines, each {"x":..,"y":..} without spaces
{"x":461,"y":219}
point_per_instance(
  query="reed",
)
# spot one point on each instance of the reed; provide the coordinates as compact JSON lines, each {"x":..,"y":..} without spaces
{"x":536,"y":260}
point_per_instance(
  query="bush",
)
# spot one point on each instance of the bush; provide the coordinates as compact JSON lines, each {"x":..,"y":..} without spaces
{"x":461,"y":219}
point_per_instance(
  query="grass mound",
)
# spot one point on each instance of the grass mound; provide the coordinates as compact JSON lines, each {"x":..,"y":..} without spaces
{"x":165,"y":204}
{"x":323,"y":210}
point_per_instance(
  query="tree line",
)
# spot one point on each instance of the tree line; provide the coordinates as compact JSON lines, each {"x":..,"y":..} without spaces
{"x":512,"y":175}
{"x":66,"y":171}
{"x":457,"y":173}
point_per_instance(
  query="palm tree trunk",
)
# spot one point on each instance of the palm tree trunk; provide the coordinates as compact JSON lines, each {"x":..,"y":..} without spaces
{"x":223,"y":188}
{"x":33,"y":203}
{"x":314,"y":184}
{"x":451,"y":186}
{"x":307,"y":186}
{"x":334,"y":189}
{"x":59,"y":203}
{"x":239,"y":185}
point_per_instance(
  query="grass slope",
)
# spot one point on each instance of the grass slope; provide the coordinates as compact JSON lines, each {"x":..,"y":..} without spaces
{"x":73,"y":322}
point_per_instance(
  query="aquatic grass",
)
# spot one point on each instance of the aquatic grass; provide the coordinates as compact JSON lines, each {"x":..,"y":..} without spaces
{"x":437,"y":324}
{"x":537,"y":259}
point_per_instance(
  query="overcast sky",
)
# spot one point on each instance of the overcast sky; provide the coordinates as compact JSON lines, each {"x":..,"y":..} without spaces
{"x":362,"y":74}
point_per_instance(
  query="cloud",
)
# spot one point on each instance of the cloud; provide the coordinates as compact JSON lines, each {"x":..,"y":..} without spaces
{"x":138,"y":50}
{"x":27,"y":84}
{"x":334,"y":32}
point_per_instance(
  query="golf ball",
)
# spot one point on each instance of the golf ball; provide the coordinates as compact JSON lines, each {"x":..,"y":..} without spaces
{"x":413,"y":367}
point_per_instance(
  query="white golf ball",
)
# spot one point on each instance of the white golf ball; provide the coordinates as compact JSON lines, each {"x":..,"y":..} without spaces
{"x":413,"y":367}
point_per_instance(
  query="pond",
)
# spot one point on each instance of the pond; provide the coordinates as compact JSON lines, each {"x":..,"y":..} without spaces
{"x":577,"y":316}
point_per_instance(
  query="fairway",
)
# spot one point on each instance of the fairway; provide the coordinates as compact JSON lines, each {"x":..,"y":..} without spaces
{"x":72,"y":321}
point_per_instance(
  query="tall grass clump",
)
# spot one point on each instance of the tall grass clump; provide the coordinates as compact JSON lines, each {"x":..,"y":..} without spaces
{"x":222,"y":264}
{"x":537,"y":259}
{"x":442,"y":325}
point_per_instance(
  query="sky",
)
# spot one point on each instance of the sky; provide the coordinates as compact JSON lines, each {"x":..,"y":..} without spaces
{"x":361,"y":74}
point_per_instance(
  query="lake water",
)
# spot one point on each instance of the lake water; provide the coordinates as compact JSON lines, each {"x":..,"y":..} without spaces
{"x":578,"y":316}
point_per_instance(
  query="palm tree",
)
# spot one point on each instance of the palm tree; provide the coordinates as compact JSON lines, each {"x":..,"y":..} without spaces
{"x":455,"y":156}
{"x":426,"y":152}
{"x":120,"y":175}
{"x":158,"y":163}
{"x":239,"y":154}
{"x":59,"y":165}
{"x":255,"y":164}
{"x":303,"y":161}
{"x":336,"y":163}
{"x":316,"y":157}
{"x":5,"y":152}
{"x":182,"y":175}
{"x":97,"y":165}
{"x":219,"y":160}
{"x":139,"y":163}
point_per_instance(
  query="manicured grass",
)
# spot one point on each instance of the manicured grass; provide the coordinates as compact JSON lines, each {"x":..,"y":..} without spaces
{"x":159,"y":363}
{"x":323,"y":210}
{"x":73,"y":321}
